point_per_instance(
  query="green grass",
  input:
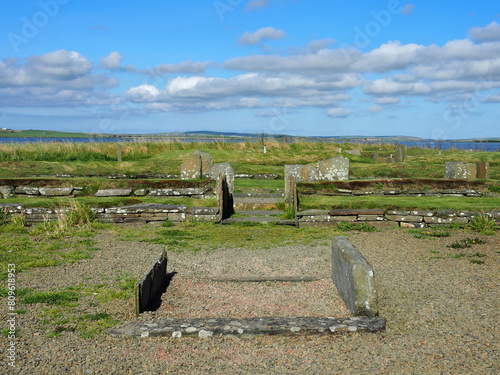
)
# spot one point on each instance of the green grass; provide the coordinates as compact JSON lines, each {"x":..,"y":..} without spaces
{"x":210,"y":236}
{"x":399,"y":202}
{"x":346,"y":226}
{"x":484,"y":225}
{"x":246,"y":157}
{"x":429,"y":233}
{"x":59,"y":298}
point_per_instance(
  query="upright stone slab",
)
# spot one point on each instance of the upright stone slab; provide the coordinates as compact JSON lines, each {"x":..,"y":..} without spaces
{"x":224,"y":169}
{"x":400,"y":154}
{"x":291,"y":170}
{"x":356,"y":151}
{"x":466,"y":171}
{"x":207,"y":160}
{"x":333,"y":169}
{"x":308,"y":173}
{"x":450,"y":169}
{"x":151,"y":285}
{"x":483,"y":170}
{"x":6,"y":191}
{"x":354,"y":278}
{"x":198,"y":163}
{"x":375,"y":155}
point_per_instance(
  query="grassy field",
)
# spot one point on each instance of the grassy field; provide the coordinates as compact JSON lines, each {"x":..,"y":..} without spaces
{"x":81,"y":160}
{"x":165,"y":157}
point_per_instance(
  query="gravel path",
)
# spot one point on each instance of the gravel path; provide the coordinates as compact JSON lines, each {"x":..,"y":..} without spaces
{"x":442,"y":313}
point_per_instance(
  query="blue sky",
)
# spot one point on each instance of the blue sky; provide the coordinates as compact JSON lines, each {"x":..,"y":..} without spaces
{"x":327,"y":68}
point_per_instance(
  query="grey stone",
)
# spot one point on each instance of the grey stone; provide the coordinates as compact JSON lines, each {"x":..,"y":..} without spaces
{"x":204,"y":210}
{"x":354,"y":278}
{"x":389,"y":159}
{"x":449,"y":169}
{"x":356,"y":151}
{"x":151,"y":285}
{"x":179,"y":192}
{"x":198,"y":163}
{"x":483,"y":170}
{"x":251,"y":327}
{"x":6,"y":191}
{"x":375,"y":155}
{"x":446,"y":213}
{"x":466,"y":171}
{"x":333,"y":169}
{"x":400,"y":154}
{"x":27,"y":190}
{"x":113,"y":193}
{"x":224,"y":169}
{"x":308,"y":173}
{"x":266,"y":176}
{"x":409,"y":218}
{"x":56,"y":192}
{"x":291,"y":170}
{"x":141,"y":192}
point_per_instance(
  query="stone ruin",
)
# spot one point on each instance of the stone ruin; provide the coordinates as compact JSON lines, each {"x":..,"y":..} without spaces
{"x":400,"y":154}
{"x":198,"y":163}
{"x":466,"y":171}
{"x":333,"y":169}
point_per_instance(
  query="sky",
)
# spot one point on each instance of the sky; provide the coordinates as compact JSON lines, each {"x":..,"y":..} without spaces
{"x":296,"y":67}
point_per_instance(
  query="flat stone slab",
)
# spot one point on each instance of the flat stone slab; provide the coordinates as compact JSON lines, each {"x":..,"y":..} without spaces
{"x":204,"y":328}
{"x":350,"y":212}
{"x":251,"y":219}
{"x":114,"y":193}
{"x":260,"y":212}
{"x":147,"y":207}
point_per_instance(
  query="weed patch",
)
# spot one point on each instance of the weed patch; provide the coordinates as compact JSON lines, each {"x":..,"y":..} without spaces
{"x":347,"y":226}
{"x":429,"y":233}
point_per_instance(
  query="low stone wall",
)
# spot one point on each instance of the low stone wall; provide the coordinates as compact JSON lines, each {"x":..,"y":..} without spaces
{"x":354,"y":278}
{"x":379,"y":217}
{"x":149,"y":289}
{"x":408,"y":193}
{"x":144,"y":213}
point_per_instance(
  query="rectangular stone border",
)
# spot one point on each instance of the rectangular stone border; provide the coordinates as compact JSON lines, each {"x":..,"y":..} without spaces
{"x":151,"y":286}
{"x":354,"y":278}
{"x":249,"y":327}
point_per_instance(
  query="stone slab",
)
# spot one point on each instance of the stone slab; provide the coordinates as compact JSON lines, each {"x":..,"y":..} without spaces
{"x":354,"y":278}
{"x":370,"y":218}
{"x":483,"y":170}
{"x":56,"y":192}
{"x":350,"y":212}
{"x":151,"y":285}
{"x":169,"y":192}
{"x":407,"y":218}
{"x":6,"y":191}
{"x":333,"y":169}
{"x":234,"y":327}
{"x":113,"y":193}
{"x":204,"y":210}
{"x":27,"y":190}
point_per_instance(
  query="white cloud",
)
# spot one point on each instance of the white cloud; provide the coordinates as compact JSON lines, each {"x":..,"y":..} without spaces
{"x":59,"y":78}
{"x":486,"y":34}
{"x":142,"y":93}
{"x":266,"y":33}
{"x":112,"y":61}
{"x":319,"y":44}
{"x":339,"y":112}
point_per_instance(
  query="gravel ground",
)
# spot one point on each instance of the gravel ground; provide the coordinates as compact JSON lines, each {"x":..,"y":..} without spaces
{"x":442,"y":313}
